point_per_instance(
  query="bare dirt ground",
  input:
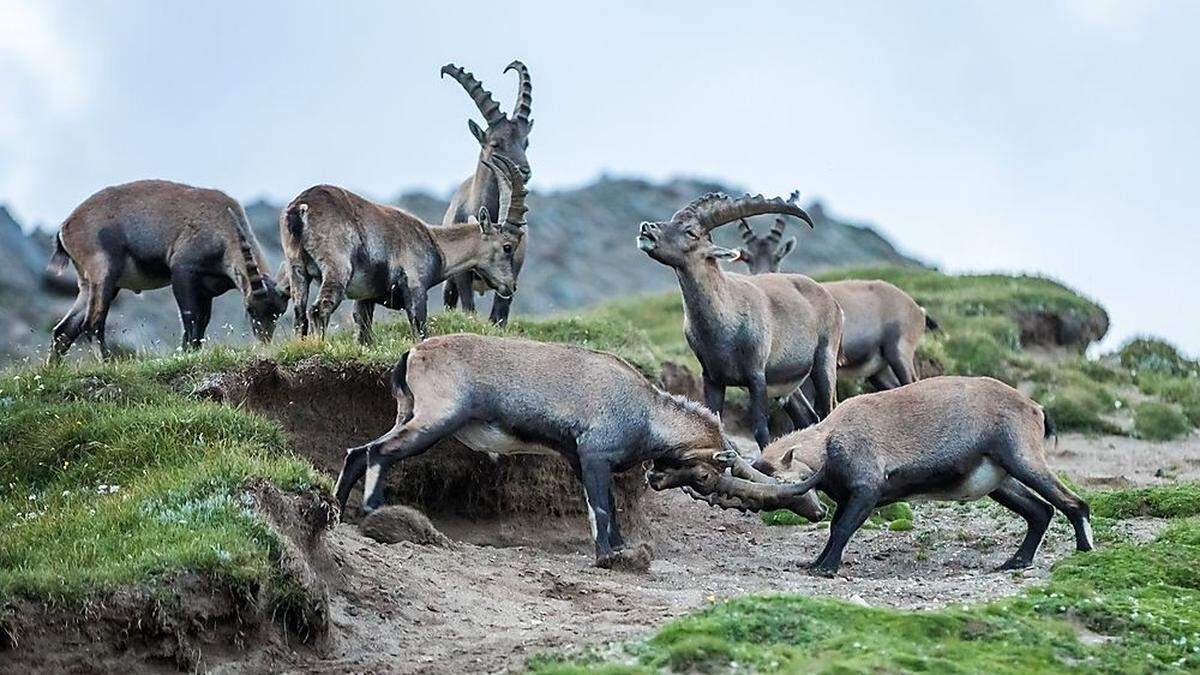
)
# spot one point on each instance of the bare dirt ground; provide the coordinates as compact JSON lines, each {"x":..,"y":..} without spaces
{"x":486,"y":606}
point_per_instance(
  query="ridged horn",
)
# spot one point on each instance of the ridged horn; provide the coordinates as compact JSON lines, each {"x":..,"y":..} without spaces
{"x":777,"y":231}
{"x":525,"y":94}
{"x":715,"y":209}
{"x":512,"y":189}
{"x":253,"y":274}
{"x":483,"y":100}
{"x":748,"y":235}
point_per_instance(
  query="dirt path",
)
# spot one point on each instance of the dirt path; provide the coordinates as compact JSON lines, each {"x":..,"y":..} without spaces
{"x":472,"y":608}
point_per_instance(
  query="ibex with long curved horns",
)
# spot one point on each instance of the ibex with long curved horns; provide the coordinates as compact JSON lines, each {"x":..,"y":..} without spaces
{"x":506,"y":395}
{"x":505,"y":135}
{"x":379,"y":254}
{"x":154,"y":233}
{"x":767,"y":333}
{"x":883,"y":324}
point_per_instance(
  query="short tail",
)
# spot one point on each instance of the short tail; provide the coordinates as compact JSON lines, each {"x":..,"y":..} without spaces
{"x":400,"y":386}
{"x":297,"y":219}
{"x":58,"y":261}
{"x":1048,"y":427}
{"x":930,"y":322}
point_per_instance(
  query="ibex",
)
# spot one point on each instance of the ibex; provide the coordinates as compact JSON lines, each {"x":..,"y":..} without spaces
{"x":379,"y":254}
{"x":767,"y":333}
{"x":153,"y":233}
{"x":942,"y":438}
{"x":505,"y":135}
{"x":883,"y":324}
{"x":506,"y":395}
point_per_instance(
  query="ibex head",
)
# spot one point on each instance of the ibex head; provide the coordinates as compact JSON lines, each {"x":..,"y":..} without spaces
{"x":504,"y":135}
{"x":499,"y":239}
{"x":764,"y":254}
{"x":685,"y":239}
{"x":264,"y":301}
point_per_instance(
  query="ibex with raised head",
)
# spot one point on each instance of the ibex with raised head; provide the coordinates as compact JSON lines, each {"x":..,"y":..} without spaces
{"x":942,"y":438}
{"x":505,"y":395}
{"x":505,"y":135}
{"x":767,"y":333}
{"x":883,"y":324}
{"x":154,"y":233}
{"x":379,"y":254}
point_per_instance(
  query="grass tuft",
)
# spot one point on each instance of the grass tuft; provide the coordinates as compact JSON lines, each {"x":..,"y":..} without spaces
{"x":1158,"y":421}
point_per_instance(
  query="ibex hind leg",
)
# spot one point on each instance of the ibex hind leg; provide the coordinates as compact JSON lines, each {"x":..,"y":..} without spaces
{"x":824,"y":379}
{"x":335,"y":275}
{"x":900,"y":358}
{"x":68,"y":329}
{"x":298,"y":287}
{"x":1037,"y":514}
{"x":1034,"y":474}
{"x":104,"y":291}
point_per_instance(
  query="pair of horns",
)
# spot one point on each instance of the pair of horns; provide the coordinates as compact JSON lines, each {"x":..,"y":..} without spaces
{"x":775,"y":235}
{"x":483,"y":98}
{"x":512,"y":189}
{"x":253,"y":274}
{"x":747,"y":489}
{"x":715,"y":209}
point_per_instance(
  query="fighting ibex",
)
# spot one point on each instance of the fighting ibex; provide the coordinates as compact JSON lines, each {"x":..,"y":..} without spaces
{"x":883,"y":323}
{"x":942,"y":438}
{"x":153,"y":233}
{"x":505,"y":135}
{"x":505,"y":395}
{"x":379,"y":254}
{"x":766,"y":333}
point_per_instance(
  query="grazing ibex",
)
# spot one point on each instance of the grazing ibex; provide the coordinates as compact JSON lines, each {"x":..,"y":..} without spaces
{"x":505,"y":135}
{"x":883,"y":324}
{"x":767,"y":333}
{"x":506,"y":395}
{"x":374,"y":253}
{"x":942,"y":438}
{"x":153,"y":233}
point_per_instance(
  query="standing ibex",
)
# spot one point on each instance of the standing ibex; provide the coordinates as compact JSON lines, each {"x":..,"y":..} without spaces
{"x":508,"y":136}
{"x":883,"y":323}
{"x":153,"y":233}
{"x":374,"y":253}
{"x":505,"y":395}
{"x":942,"y":438}
{"x":766,"y":333}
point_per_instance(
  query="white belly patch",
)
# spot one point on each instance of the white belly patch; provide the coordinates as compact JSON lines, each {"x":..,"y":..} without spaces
{"x":491,"y":439}
{"x":982,"y":481}
{"x":136,"y":279}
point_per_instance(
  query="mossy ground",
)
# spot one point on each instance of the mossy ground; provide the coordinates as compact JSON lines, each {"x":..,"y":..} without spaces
{"x":1137,"y":603}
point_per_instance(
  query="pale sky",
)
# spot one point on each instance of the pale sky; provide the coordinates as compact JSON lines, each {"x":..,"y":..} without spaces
{"x":1052,"y":137}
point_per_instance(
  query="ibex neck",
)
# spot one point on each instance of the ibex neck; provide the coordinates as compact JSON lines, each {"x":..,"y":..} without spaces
{"x":703,"y":287}
{"x":458,"y":245}
{"x":486,"y":190}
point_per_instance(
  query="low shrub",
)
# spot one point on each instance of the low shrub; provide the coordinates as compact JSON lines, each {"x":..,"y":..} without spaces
{"x":1158,"y":421}
{"x":1152,"y":355}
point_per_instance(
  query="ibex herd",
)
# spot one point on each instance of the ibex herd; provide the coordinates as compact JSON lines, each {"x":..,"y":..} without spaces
{"x":777,"y":335}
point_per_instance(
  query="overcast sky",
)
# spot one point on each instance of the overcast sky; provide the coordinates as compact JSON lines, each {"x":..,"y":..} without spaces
{"x":1051,"y":137}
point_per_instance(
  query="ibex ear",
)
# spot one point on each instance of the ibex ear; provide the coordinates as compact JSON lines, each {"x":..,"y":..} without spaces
{"x":720,"y":253}
{"x":786,"y":249}
{"x":786,"y":460}
{"x":475,"y":131}
{"x":485,"y":220}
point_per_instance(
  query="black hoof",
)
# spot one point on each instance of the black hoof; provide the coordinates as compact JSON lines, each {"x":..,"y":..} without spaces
{"x":1015,"y":564}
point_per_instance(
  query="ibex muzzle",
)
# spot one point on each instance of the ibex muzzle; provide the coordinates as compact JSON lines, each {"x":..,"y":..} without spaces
{"x":942,"y":438}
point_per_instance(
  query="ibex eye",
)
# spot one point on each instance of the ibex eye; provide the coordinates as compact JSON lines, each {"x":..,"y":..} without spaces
{"x":508,"y":248}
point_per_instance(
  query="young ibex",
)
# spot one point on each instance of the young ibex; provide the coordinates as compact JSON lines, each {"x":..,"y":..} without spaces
{"x":883,"y":324}
{"x":508,"y":136}
{"x":505,"y":395}
{"x":379,"y":254}
{"x":942,"y":438}
{"x":153,"y":233}
{"x":767,"y":333}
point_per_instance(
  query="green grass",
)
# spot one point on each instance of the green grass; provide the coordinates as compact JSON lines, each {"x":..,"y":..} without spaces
{"x":1160,"y":501}
{"x":113,"y":475}
{"x":1145,"y":598}
{"x":1157,"y":421}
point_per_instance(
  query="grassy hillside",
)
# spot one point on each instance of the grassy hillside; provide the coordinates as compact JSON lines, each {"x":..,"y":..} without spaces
{"x":1028,"y":331}
{"x":114,"y":474}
